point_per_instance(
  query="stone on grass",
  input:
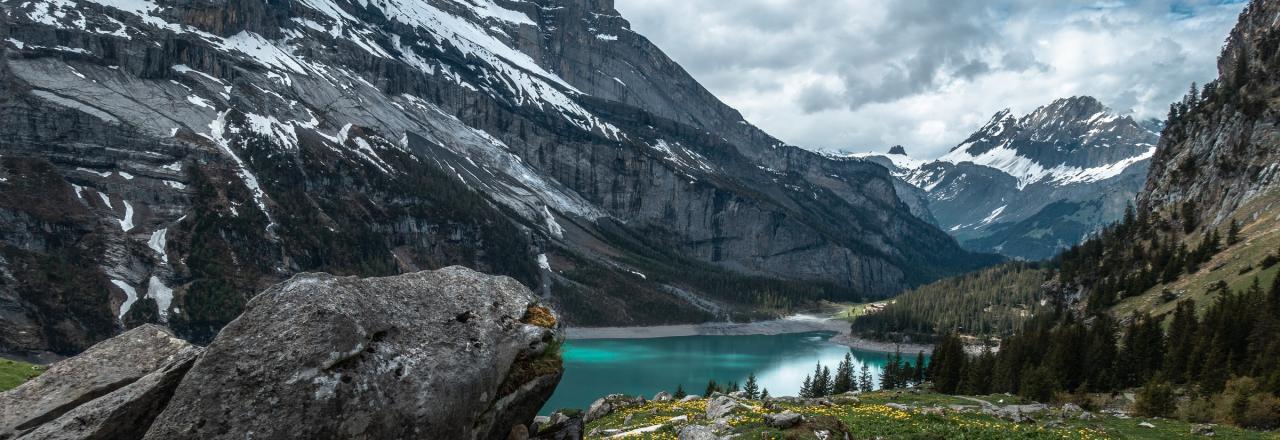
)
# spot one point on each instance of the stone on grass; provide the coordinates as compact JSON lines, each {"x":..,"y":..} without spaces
{"x":783,"y":420}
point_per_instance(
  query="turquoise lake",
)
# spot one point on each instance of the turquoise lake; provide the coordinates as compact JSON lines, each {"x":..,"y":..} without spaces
{"x":596,"y":367}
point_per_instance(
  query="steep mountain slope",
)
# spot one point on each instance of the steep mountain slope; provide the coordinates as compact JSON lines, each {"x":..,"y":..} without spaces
{"x":1028,"y":187}
{"x":1219,"y":162}
{"x":1208,"y":220}
{"x":162,"y":160}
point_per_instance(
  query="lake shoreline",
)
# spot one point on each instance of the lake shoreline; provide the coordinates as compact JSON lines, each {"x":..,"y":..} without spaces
{"x":790,"y":324}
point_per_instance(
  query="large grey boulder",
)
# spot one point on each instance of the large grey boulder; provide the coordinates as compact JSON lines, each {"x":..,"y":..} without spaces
{"x":441,"y":354}
{"x":111,"y":391}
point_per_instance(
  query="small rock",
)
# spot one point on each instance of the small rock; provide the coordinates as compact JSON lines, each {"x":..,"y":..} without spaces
{"x":600,"y":408}
{"x":662,"y":396}
{"x":1202,"y":430}
{"x":697,"y":432}
{"x":738,"y":394}
{"x":1072,"y":408}
{"x":557,"y":418}
{"x":897,"y":406}
{"x":933,"y":411}
{"x":678,"y":419}
{"x":626,"y":420}
{"x":538,"y":423}
{"x":783,"y":420}
{"x":570,"y":429}
{"x":1146,"y":425}
{"x":690,"y":398}
{"x":721,"y":406}
{"x":518,"y":432}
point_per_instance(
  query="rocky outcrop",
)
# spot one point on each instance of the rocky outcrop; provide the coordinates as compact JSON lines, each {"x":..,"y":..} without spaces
{"x":111,"y":391}
{"x":1218,"y":151}
{"x":450,"y":353}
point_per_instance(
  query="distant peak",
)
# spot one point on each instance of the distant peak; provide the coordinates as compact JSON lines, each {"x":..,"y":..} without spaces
{"x":898,"y":149}
{"x":1076,"y":105}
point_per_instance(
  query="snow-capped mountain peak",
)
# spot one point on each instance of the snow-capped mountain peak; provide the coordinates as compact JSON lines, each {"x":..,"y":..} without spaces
{"x":1066,"y":168}
{"x":1071,"y":140}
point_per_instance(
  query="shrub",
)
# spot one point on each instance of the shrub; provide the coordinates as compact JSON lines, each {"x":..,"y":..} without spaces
{"x":1196,"y":411}
{"x":1270,"y":260}
{"x":1262,"y":412}
{"x":1233,"y":402}
{"x":1155,"y":399}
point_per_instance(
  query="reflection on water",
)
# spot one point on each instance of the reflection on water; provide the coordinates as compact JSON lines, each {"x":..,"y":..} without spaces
{"x":596,"y":367}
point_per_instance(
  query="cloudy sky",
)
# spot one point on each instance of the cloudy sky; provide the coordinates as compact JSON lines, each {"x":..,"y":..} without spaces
{"x":861,"y":75}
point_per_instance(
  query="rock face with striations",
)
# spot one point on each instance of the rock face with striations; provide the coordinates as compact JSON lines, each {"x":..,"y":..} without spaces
{"x":162,"y":161}
{"x":442,"y":354}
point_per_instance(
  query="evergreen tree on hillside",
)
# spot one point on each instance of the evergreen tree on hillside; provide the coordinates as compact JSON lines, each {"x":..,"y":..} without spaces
{"x":920,"y":368}
{"x":864,"y":379}
{"x":826,"y":383}
{"x":1181,"y":342}
{"x":947,"y":364}
{"x":806,"y":389}
{"x":844,"y":381}
{"x":764,"y":394}
{"x":680,"y":393}
{"x":712,"y":387}
{"x":752,"y":388}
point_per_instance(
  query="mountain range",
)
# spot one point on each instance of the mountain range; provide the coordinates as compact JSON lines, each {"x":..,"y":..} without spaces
{"x":1029,"y":186}
{"x":162,"y":161}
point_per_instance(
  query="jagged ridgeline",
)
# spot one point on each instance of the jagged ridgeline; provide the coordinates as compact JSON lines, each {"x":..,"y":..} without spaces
{"x":1030,"y":186}
{"x":163,"y":161}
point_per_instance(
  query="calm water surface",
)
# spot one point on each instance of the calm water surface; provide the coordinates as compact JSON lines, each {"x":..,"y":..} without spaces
{"x":596,"y":367}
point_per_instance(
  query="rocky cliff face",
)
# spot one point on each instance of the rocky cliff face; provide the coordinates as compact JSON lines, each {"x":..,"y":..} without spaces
{"x":434,"y":354}
{"x":1218,"y":151}
{"x":1030,"y":186}
{"x":162,"y":160}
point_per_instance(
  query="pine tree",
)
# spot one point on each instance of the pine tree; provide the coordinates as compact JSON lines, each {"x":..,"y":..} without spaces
{"x":1233,"y":233}
{"x":764,"y":394}
{"x":712,"y":387}
{"x":680,"y":394}
{"x":806,"y":389}
{"x":947,"y":364}
{"x":825,"y":389}
{"x":752,"y":388}
{"x":1181,"y":340}
{"x":920,"y":368}
{"x":864,"y":379}
{"x":844,"y":376}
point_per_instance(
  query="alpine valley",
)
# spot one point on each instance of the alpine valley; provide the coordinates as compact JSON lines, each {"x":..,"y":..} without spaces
{"x":486,"y":219}
{"x":165,"y":161}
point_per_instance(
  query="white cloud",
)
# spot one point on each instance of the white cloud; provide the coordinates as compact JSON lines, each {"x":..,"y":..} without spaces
{"x":865,"y":74}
